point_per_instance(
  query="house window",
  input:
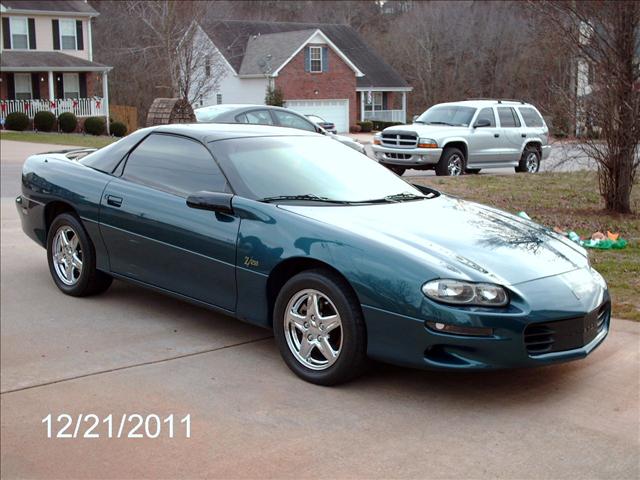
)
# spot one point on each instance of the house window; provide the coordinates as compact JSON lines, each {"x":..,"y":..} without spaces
{"x":71,"y":84}
{"x":19,"y":33}
{"x":68,"y":34}
{"x":219,"y":98}
{"x":22,"y":84}
{"x":207,"y":66}
{"x":315,"y":55}
{"x":373,"y":101}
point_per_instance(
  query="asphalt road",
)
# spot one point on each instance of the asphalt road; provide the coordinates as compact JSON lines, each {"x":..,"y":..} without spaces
{"x":134,"y":351}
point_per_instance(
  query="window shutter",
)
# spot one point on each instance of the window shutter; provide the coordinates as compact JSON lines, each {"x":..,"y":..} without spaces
{"x":79,"y":38}
{"x":6,"y":34}
{"x":83,"y":85}
{"x":35,"y":85}
{"x":325,"y":59}
{"x":55,"y":26}
{"x":307,"y":59}
{"x":59,"y":86}
{"x":32,"y":33}
{"x":11,"y":86}
{"x":384,"y":100}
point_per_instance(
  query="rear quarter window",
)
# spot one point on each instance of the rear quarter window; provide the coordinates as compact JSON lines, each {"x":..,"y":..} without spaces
{"x":531,"y":117}
{"x":107,"y":158}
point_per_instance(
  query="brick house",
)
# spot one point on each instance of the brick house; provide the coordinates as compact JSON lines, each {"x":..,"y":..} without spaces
{"x":47,"y":59}
{"x":322,"y":69}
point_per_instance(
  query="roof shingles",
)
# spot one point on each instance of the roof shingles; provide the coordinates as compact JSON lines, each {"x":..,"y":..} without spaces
{"x":61,"y":6}
{"x":32,"y":60}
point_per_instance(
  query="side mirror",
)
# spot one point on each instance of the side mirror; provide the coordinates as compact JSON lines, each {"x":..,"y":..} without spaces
{"x":483,"y":122}
{"x":212,"y":201}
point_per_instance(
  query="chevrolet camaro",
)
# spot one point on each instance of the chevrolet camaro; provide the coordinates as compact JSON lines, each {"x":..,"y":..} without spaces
{"x":292,"y":231}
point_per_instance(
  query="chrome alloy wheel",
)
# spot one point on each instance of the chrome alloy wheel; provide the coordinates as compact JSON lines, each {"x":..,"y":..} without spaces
{"x":531,"y":163}
{"x":67,"y":255}
{"x":313,"y":329}
{"x":454,"y":167}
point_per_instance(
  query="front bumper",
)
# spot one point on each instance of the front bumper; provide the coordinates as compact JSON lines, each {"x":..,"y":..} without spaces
{"x":408,"y":157}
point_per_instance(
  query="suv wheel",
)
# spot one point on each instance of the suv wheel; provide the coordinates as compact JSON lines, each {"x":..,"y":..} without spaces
{"x":530,"y":161}
{"x":319,"y":329}
{"x":72,"y":258}
{"x":451,"y":163}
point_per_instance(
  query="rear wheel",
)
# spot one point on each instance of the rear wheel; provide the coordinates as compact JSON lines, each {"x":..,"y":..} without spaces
{"x":72,"y":259}
{"x":319,"y":328}
{"x":451,"y":163}
{"x":530,"y":161}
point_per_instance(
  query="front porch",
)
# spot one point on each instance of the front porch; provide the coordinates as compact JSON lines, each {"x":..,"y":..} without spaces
{"x":80,"y":107}
{"x":383,"y":105}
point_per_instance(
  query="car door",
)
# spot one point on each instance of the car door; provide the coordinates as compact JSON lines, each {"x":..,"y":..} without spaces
{"x":485,"y":145}
{"x":152,"y":236}
{"x":511,"y":132}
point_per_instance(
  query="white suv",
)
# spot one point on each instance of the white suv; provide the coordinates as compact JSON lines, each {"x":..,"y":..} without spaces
{"x":465,"y":137}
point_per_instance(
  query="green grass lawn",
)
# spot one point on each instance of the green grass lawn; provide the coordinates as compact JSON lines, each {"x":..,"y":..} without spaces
{"x":570,"y":201}
{"x":59,"y":138}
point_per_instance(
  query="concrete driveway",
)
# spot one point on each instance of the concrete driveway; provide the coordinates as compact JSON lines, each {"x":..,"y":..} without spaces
{"x":133,"y":351}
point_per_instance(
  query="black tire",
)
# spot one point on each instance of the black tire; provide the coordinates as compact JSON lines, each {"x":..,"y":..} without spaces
{"x":472,"y":171}
{"x":396,"y":169}
{"x":450,"y":155}
{"x":527,"y":163}
{"x":90,"y":281}
{"x":351,"y":360}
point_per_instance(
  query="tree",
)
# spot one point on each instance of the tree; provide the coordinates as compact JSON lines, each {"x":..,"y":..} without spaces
{"x":274,"y":97}
{"x":605,"y":37}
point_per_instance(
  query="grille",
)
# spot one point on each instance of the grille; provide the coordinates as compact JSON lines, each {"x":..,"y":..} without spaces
{"x":400,"y":139}
{"x":398,"y":156}
{"x":562,"y":335}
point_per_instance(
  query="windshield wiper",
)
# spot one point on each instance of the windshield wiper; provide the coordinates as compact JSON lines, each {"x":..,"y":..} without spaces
{"x":419,"y":121}
{"x":307,"y":197}
{"x":398,"y":197}
{"x":442,"y":123}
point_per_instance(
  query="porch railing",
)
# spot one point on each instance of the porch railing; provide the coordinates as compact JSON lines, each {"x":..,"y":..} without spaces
{"x":385,"y":115}
{"x":81,"y":107}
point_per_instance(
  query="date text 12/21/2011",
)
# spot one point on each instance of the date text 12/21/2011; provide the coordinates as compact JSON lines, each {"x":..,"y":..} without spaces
{"x":132,"y":425}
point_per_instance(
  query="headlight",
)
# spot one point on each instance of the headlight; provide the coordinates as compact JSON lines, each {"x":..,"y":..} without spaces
{"x":458,"y":292}
{"x":377,"y":139}
{"x":427,"y":143}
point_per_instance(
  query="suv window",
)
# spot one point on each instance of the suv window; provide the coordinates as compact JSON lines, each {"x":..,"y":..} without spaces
{"x":256,"y":117}
{"x":508,"y":117}
{"x":174,"y":164}
{"x":531,"y":117}
{"x":292,"y":120}
{"x":487,"y":113}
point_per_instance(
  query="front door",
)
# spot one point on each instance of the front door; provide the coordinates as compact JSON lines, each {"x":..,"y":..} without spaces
{"x":153,"y":236}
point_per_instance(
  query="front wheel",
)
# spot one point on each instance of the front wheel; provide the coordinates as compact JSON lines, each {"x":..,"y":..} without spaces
{"x":451,"y":163}
{"x":530,"y":161}
{"x":319,"y":328}
{"x":72,"y":259}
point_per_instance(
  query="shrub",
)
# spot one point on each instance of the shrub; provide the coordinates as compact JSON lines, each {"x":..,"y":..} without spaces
{"x":95,"y":125}
{"x":274,"y":97}
{"x":16,"y":121}
{"x":354,"y":129}
{"x":118,"y":129}
{"x":67,"y":122}
{"x":44,"y":121}
{"x":381,"y":125}
{"x":365,"y":126}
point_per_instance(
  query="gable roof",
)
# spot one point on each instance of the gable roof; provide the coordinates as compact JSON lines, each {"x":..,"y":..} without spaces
{"x":35,"y":61}
{"x":232,"y":38}
{"x":76,"y":7}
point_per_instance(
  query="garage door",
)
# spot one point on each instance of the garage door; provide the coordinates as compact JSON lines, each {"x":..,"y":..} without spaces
{"x":336,"y":111}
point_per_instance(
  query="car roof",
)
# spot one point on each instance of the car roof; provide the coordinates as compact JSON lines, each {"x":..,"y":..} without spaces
{"x":211,"y":132}
{"x":227,"y":107}
{"x":486,"y":103}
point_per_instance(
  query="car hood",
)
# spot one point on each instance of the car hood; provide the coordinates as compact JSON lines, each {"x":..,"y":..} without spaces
{"x":471,"y":240}
{"x":428,"y":131}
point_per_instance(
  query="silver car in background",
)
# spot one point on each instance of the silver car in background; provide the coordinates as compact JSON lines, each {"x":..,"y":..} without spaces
{"x":466,"y":137}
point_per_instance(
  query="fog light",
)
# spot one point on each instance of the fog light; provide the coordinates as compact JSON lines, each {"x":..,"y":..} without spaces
{"x":457,"y":330}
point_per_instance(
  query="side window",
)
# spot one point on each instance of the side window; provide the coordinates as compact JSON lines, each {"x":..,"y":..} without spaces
{"x":242,"y":118}
{"x":259,"y":117}
{"x":174,"y":164}
{"x":292,"y":120}
{"x":487,"y":113}
{"x":531,"y":117}
{"x":508,"y":117}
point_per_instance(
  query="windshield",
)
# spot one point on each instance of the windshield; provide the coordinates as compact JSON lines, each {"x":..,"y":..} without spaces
{"x":266,"y":167}
{"x":315,"y":118}
{"x":453,"y":115}
{"x":208,"y":114}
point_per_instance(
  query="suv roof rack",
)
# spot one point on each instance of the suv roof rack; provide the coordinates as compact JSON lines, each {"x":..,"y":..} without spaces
{"x":499,"y":100}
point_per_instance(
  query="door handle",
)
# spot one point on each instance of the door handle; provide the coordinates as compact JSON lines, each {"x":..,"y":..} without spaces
{"x":114,"y":201}
{"x":496,"y":135}
{"x":524,"y":135}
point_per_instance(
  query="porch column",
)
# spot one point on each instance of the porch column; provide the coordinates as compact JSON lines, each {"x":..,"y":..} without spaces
{"x":404,"y":107}
{"x":52,"y":94}
{"x":362,"y":106}
{"x":105,"y":98}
